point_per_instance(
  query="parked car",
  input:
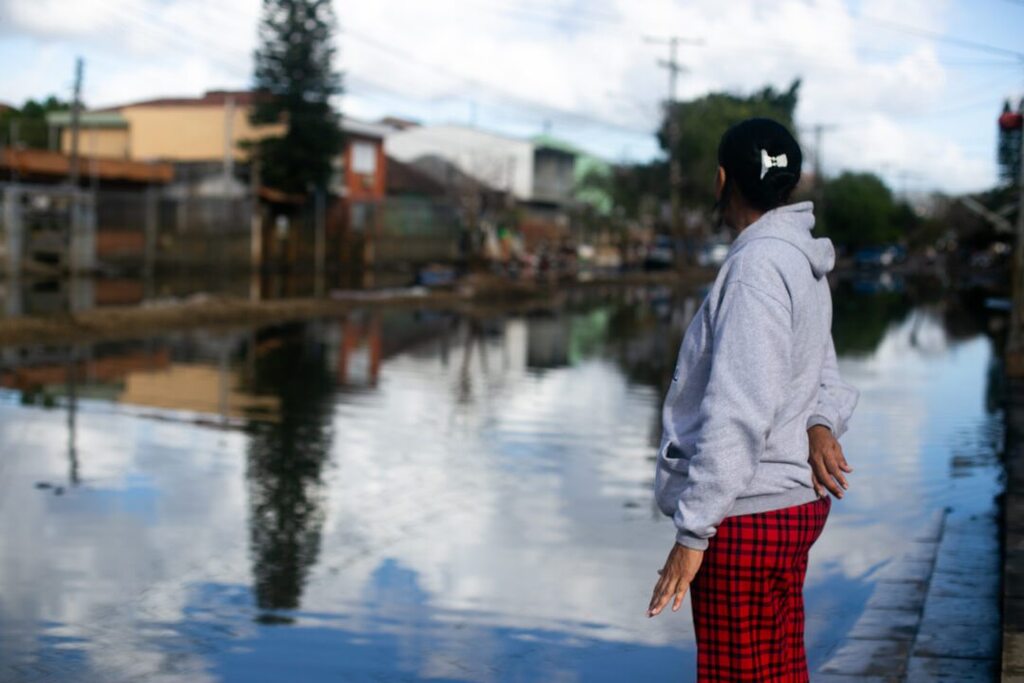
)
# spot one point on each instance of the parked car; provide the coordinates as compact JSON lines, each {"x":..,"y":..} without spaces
{"x":661,"y":253}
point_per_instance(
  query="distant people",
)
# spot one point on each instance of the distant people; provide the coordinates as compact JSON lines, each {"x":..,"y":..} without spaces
{"x":751,"y":422}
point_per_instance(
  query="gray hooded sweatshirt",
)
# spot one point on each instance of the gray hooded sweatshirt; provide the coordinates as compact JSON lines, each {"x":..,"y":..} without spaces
{"x":756,"y":369}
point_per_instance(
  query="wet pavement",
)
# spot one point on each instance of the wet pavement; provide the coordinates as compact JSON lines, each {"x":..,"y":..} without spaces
{"x":408,"y":496}
{"x":934,"y":614}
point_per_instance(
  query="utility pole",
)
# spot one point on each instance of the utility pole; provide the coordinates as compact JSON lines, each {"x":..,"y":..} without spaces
{"x":819,"y":165}
{"x":1020,"y":176}
{"x":319,"y":247}
{"x":819,"y":130}
{"x":675,"y":172}
{"x":229,"y":147}
{"x":1016,"y":342}
{"x":71,"y":258}
{"x":76,"y":105}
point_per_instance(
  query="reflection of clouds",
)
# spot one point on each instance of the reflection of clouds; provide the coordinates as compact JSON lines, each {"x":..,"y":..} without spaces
{"x":113,"y":561}
{"x":512,"y":512}
{"x":917,"y":392}
{"x":452,"y":518}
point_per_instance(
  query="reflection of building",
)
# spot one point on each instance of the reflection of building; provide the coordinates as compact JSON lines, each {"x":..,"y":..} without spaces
{"x":359,"y":352}
{"x":135,"y":375}
{"x":194,"y":387}
{"x":547,"y":342}
{"x":99,"y":375}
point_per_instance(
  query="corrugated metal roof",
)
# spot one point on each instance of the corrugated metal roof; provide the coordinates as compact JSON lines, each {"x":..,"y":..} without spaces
{"x":364,"y":128}
{"x":88,"y":119}
{"x":37,"y":162}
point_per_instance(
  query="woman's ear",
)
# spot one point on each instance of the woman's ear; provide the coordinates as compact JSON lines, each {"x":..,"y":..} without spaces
{"x":719,"y":183}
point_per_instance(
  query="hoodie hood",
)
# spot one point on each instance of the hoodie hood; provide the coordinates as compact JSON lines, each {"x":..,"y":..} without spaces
{"x":793,"y":224}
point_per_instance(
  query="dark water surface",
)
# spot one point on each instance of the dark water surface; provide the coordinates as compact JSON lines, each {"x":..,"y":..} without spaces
{"x":407,"y":496}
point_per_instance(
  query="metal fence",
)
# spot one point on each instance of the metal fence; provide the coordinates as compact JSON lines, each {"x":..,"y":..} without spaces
{"x":47,"y":227}
{"x":72,"y":231}
{"x":211,"y":241}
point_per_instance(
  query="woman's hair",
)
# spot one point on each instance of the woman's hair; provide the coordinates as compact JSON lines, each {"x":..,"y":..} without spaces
{"x":762,"y":159}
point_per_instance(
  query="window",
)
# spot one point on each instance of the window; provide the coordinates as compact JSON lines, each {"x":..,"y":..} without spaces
{"x":364,"y":158}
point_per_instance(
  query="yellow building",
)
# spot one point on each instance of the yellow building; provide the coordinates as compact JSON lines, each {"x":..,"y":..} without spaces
{"x":181,"y":130}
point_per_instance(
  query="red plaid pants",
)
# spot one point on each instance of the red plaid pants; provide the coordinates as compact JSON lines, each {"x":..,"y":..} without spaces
{"x":747,"y":598}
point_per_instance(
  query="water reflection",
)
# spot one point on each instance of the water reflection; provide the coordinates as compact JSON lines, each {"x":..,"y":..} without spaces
{"x":395,"y":496}
{"x":285,"y":461}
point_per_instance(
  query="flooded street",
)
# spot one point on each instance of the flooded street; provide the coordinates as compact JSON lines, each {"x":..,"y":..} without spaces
{"x":403,"y":496}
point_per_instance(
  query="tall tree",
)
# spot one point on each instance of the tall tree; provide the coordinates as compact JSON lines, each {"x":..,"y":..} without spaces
{"x":295,"y":72}
{"x":703,"y":121}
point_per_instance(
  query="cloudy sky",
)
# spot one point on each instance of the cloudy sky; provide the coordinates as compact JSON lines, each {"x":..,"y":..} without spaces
{"x":906,"y":89}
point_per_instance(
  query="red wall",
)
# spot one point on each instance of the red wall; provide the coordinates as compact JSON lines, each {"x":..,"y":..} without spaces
{"x":365,"y":187}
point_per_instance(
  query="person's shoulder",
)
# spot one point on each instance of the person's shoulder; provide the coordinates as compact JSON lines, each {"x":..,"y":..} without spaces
{"x":764,"y":264}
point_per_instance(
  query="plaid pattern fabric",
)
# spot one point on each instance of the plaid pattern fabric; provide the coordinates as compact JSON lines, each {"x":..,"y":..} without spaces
{"x":747,"y":598}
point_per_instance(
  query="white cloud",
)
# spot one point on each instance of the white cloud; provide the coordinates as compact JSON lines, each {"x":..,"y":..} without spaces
{"x":583,"y":67}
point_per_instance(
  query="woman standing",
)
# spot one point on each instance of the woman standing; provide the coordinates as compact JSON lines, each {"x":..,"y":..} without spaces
{"x":751,"y":421}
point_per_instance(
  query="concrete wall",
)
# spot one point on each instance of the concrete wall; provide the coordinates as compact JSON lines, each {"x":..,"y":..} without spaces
{"x":554,"y":175}
{"x":110,"y":143}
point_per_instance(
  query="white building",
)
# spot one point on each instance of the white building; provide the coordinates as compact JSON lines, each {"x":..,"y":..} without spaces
{"x":533,"y":173}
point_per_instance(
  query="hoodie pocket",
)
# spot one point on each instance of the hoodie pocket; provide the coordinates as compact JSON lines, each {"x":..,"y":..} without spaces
{"x":670,"y":477}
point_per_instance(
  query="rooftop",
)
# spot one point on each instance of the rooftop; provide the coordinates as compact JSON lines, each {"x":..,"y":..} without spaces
{"x":50,"y":165}
{"x":356,"y":127}
{"x":211,"y":98}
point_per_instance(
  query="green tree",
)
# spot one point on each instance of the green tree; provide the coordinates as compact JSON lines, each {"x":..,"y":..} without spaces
{"x":27,"y":126}
{"x":860,"y":211}
{"x":703,"y":121}
{"x":294,"y":70}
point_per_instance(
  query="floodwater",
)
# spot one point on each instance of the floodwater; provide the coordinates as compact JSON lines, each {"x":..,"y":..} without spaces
{"x":406,"y":496}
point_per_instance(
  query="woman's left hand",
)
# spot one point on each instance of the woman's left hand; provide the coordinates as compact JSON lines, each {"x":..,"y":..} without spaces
{"x":680,"y":569}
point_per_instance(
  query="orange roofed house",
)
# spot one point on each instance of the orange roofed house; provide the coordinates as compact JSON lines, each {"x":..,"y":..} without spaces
{"x":201,"y":137}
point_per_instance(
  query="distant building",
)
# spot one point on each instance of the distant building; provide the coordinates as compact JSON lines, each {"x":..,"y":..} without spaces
{"x":362,"y":169}
{"x":175,"y":129}
{"x":538,"y":178}
{"x":533,"y":173}
{"x":591,"y":174}
{"x":201,"y":136}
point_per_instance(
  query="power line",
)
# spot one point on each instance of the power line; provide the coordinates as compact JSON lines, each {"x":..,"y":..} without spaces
{"x":407,"y":56}
{"x":940,"y":37}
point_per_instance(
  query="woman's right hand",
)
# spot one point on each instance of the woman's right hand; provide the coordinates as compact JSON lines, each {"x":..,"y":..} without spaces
{"x":827,"y":462}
